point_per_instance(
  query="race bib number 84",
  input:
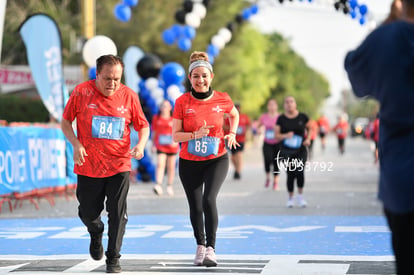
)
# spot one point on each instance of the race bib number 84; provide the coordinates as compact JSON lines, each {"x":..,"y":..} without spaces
{"x":108,"y":127}
{"x":204,"y":147}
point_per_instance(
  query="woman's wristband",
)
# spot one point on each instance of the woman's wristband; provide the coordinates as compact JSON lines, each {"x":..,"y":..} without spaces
{"x":231,"y":132}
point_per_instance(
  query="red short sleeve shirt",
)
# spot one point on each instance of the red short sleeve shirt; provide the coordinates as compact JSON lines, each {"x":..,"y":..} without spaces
{"x":193,"y":114}
{"x":162,"y":131}
{"x":102,"y":126}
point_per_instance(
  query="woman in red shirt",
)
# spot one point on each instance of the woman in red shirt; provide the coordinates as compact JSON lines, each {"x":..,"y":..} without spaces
{"x":165,"y":147}
{"x":203,"y":165}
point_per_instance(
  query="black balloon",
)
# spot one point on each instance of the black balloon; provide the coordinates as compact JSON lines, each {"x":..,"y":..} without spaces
{"x":239,"y":18}
{"x":149,"y":66}
{"x":206,"y":3}
{"x":230,"y":26}
{"x":180,"y":16}
{"x":188,"y":5}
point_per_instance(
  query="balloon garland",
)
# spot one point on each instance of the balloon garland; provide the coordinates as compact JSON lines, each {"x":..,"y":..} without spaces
{"x":348,"y":7}
{"x":188,"y":20}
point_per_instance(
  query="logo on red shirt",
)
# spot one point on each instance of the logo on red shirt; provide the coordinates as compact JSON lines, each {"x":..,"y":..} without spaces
{"x":217,"y":109}
{"x":122,"y":109}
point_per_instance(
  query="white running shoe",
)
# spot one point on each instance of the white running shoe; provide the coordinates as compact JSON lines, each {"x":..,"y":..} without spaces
{"x":301,"y":201}
{"x":170,"y":190}
{"x":289,"y":203}
{"x":199,"y":256}
{"x":158,"y":189}
{"x":210,"y":257}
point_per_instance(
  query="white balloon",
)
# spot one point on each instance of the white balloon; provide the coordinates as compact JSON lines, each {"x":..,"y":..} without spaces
{"x":192,"y":19}
{"x":200,"y":10}
{"x":159,"y":100}
{"x":157,"y":93}
{"x":174,"y":92}
{"x":218,"y":41}
{"x":151,"y":83}
{"x":97,"y":46}
{"x":226,"y":34}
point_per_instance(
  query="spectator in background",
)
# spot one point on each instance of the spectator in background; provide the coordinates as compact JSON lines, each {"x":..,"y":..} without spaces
{"x":383,"y":67}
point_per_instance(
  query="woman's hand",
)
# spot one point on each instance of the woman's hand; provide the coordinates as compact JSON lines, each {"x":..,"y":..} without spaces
{"x":203,"y":131}
{"x":231,"y":141}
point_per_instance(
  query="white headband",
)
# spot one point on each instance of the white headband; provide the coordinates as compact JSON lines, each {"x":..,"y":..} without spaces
{"x":200,"y":63}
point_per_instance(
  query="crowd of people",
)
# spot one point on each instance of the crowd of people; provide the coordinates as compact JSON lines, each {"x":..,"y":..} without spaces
{"x":200,"y":136}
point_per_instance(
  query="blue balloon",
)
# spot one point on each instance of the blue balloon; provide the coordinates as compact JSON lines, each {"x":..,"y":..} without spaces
{"x":246,"y":13}
{"x":92,"y":73}
{"x":254,"y":9}
{"x":353,"y":14}
{"x":211,"y":59}
{"x":362,"y":20}
{"x":353,"y":4}
{"x":184,"y":44}
{"x":145,"y":94}
{"x":131,"y":3}
{"x":189,"y":32}
{"x":172,"y":73}
{"x":213,"y":50}
{"x":122,"y":12}
{"x":177,"y":29}
{"x":363,"y":9}
{"x":168,"y":36}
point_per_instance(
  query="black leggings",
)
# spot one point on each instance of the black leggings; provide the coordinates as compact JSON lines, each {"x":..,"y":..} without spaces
{"x":210,"y":174}
{"x":269,"y":156}
{"x":296,"y":170}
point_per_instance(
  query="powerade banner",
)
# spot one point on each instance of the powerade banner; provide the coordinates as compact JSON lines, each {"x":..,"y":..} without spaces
{"x":43,"y":46}
{"x":30,"y":158}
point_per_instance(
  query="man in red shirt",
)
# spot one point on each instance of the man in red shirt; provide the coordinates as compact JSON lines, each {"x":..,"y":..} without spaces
{"x":104,"y":108}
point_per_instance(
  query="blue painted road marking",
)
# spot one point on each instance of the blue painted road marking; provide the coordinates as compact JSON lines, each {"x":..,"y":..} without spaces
{"x":238,"y":234}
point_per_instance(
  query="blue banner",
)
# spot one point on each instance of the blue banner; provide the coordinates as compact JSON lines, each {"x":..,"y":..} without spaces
{"x":43,"y":45}
{"x":31,"y":158}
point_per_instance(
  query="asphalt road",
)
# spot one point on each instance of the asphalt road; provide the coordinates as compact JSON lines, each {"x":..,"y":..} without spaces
{"x":341,"y":231}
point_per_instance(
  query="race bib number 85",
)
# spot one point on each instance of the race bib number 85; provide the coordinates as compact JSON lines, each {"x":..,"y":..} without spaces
{"x":108,"y":127}
{"x":204,"y":147}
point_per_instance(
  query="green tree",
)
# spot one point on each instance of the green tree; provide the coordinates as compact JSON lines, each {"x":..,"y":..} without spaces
{"x":252,"y":67}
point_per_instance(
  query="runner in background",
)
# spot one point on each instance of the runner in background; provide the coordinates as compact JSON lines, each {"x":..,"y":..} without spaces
{"x":314,"y":133}
{"x":270,"y":148}
{"x":375,"y":135}
{"x":324,"y":129}
{"x":341,"y":130}
{"x":291,"y":127}
{"x":243,"y":129}
{"x":165,"y":148}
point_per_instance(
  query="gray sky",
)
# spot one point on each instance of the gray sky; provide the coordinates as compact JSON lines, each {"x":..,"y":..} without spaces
{"x":319,"y":33}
